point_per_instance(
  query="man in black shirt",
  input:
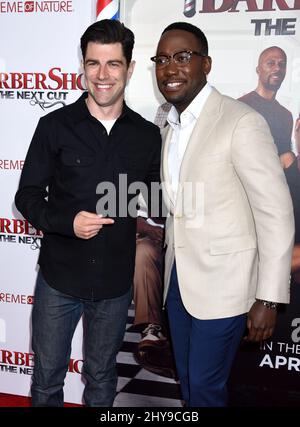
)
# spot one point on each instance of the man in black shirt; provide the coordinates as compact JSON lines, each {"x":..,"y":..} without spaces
{"x":271,"y":70}
{"x":292,"y":174}
{"x":87,"y":258}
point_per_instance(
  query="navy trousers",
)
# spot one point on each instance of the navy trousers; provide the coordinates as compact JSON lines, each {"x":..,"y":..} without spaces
{"x":204,"y":350}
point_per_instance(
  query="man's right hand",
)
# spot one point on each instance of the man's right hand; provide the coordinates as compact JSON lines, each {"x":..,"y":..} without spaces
{"x":87,"y":225}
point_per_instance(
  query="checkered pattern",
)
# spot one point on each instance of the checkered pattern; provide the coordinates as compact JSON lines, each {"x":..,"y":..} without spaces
{"x":162,"y":114}
{"x":138,"y":387}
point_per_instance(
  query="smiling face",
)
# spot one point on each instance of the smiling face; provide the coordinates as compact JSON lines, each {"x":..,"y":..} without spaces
{"x":106,"y":74}
{"x":271,"y":69}
{"x":179,"y":84}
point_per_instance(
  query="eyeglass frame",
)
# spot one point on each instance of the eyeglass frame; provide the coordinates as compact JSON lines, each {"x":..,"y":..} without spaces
{"x":171,"y":57}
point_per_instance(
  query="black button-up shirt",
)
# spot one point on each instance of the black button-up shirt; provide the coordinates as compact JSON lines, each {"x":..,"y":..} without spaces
{"x":70,"y":154}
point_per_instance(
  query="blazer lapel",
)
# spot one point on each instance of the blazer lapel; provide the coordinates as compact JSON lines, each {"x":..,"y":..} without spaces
{"x":207,"y":120}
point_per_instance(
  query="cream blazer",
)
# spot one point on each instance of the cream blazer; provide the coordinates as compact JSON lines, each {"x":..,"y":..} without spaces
{"x":231,"y":227}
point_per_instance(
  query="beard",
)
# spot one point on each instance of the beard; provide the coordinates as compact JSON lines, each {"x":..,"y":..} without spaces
{"x":273,"y":86}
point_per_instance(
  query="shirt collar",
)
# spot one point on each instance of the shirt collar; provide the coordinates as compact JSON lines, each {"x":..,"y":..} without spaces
{"x":81,"y":112}
{"x":193,"y":109}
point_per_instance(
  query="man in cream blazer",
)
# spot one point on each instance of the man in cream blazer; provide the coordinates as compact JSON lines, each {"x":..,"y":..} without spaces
{"x":230,"y":229}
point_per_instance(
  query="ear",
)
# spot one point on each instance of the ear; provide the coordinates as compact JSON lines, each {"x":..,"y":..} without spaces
{"x":130,"y":70}
{"x":257,"y":70}
{"x":207,"y":64}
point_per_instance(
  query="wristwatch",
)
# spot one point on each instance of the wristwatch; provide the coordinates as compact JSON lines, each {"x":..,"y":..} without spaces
{"x":269,"y":304}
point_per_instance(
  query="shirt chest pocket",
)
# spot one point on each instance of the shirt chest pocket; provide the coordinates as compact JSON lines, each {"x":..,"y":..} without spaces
{"x":75,"y":160}
{"x":76,"y":172}
{"x":133,"y":167}
{"x":132,"y":163}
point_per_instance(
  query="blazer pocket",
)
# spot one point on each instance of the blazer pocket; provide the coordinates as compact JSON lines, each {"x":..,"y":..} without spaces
{"x":214,"y":157}
{"x":232,"y":244}
{"x":73,"y":159}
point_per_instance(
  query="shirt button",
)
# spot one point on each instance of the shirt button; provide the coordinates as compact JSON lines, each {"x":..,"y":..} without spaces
{"x":78,"y":161}
{"x":93,"y":260}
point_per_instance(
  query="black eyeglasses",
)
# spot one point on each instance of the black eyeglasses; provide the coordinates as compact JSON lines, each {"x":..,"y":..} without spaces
{"x":180,"y":58}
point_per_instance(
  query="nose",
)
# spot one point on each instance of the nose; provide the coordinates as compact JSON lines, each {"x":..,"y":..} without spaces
{"x":102,"y":72}
{"x":171,"y":68}
{"x":279,"y":66}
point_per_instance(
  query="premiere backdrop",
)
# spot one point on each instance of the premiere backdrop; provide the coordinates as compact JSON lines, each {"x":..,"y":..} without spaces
{"x":40,"y":71}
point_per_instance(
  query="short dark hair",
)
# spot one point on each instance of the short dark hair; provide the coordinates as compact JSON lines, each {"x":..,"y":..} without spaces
{"x":271,"y":48}
{"x":185,"y":26}
{"x":109,"y":31}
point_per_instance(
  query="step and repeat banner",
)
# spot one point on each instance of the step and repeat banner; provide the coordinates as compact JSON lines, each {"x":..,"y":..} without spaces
{"x":40,"y":71}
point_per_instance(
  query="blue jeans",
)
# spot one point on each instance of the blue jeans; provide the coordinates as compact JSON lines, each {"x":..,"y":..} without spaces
{"x":54,"y":319}
{"x":204,"y":350}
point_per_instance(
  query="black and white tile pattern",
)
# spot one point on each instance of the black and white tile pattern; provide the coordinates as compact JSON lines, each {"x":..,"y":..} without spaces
{"x":138,"y":387}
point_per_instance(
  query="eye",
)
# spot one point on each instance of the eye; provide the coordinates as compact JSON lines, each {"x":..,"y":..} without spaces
{"x":182,"y":57}
{"x":161,"y":60}
{"x":114,"y":64}
{"x":91,"y":64}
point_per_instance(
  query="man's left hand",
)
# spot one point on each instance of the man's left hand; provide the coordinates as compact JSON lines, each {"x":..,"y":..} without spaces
{"x":261,"y":322}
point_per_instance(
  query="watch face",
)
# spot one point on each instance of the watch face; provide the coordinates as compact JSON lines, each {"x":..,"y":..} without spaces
{"x":269,"y":304}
